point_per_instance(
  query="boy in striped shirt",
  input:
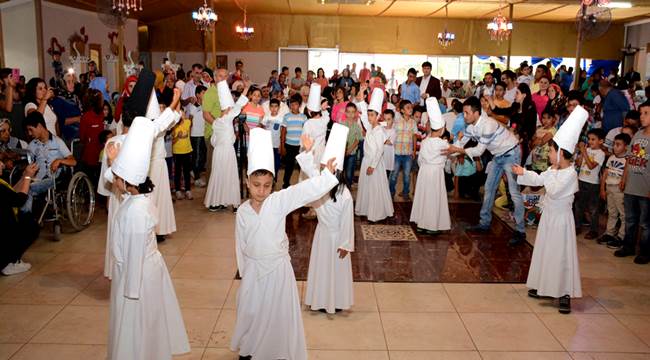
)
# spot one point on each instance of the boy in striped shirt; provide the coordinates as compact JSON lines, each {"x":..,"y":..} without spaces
{"x":290,"y":137}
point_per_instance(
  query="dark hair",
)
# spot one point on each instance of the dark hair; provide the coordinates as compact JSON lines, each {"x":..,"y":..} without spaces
{"x":30,"y":90}
{"x":197,"y":66}
{"x":110,"y":111}
{"x":502,"y":84}
{"x":528,"y":100}
{"x":297,"y":69}
{"x":509,"y":74}
{"x":94,"y":101}
{"x":457,"y":106}
{"x":445,"y":135}
{"x":645,"y":104}
{"x":351,"y":106}
{"x":565,"y":154}
{"x":548,"y":111}
{"x":412,"y":71}
{"x":633,"y":128}
{"x":419,"y":108}
{"x":145,"y":188}
{"x":127,"y":117}
{"x":285,"y":68}
{"x":389,"y":112}
{"x":633,"y":115}
{"x":624,"y":138}
{"x":599,"y":133}
{"x":199,"y":89}
{"x":296,"y":98}
{"x":403,"y":103}
{"x":34,"y":119}
{"x":474,"y":103}
{"x":575,"y":95}
{"x":488,"y":73}
{"x":340,"y":176}
{"x":260,"y":172}
{"x":426,"y":64}
{"x":103,"y":136}
{"x":274,"y":101}
{"x":239,"y":62}
{"x":180,"y":74}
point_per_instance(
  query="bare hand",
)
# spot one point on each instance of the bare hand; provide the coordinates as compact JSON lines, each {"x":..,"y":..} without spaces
{"x":307,"y":142}
{"x":31,"y":170}
{"x":621,"y":185}
{"x":331,"y":165}
{"x":342,"y":253}
{"x":49,"y":94}
{"x":452,"y":150}
{"x":517,"y":170}
{"x":370,"y":170}
{"x":55,"y":165}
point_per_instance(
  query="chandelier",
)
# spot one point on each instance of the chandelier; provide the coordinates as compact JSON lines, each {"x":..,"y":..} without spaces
{"x":126,"y":6}
{"x":204,"y":17}
{"x":243,"y":31}
{"x":446,"y":38}
{"x":499,"y":28}
{"x":598,"y":2}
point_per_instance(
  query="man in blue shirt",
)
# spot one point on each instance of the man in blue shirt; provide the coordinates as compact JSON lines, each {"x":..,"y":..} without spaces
{"x":49,"y":151}
{"x":615,"y":105}
{"x":409,"y":90}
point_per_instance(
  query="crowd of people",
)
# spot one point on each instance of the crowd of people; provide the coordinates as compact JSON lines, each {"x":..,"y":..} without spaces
{"x":523,"y":134}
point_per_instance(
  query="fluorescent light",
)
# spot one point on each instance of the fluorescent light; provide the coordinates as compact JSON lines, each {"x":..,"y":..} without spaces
{"x":618,"y":5}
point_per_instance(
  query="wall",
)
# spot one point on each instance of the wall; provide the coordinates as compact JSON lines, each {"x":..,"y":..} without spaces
{"x":57,"y":23}
{"x":19,"y":37}
{"x":392,"y":35}
{"x":639,"y":36}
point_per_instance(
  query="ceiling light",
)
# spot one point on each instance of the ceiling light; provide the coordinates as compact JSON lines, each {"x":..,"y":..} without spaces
{"x":617,"y":5}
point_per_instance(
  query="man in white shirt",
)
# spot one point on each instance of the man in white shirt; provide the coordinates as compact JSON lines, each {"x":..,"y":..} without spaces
{"x":189,"y":91}
{"x":487,"y":89}
{"x":446,"y":91}
{"x":504,"y":146}
{"x":510,"y":78}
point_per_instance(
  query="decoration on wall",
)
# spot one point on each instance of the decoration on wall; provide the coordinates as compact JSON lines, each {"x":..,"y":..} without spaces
{"x":55,"y":46}
{"x":113,"y":47}
{"x":78,"y":41}
{"x":170,"y":63}
{"x":130,"y":68}
{"x":446,"y":38}
{"x":204,"y":17}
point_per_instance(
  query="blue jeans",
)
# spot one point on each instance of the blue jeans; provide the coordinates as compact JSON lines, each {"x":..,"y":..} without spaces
{"x":349,"y":164}
{"x":276,"y":161}
{"x":401,"y":162}
{"x":36,"y":188}
{"x":637,"y":216}
{"x":501,"y":164}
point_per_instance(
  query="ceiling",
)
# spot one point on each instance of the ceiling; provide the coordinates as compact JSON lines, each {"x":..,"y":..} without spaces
{"x":530,"y":10}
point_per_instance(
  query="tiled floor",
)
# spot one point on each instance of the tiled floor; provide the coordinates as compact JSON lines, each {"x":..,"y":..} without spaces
{"x":59,"y":310}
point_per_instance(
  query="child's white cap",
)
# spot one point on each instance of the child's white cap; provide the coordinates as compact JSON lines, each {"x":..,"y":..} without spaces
{"x":434,"y":114}
{"x":153,"y":108}
{"x":260,"y":151}
{"x":225,"y":97}
{"x":313,"y":101}
{"x":132,"y":162}
{"x":376,"y":100}
{"x":568,"y":134}
{"x":335,"y":147}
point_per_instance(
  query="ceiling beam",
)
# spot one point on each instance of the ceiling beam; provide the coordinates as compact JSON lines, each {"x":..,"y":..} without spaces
{"x":387,"y":7}
{"x":440,"y":8}
{"x":542,"y":12}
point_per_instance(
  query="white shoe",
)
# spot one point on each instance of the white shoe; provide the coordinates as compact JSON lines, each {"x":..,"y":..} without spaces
{"x":188,"y":195}
{"x":179,"y":195}
{"x":200,"y":183}
{"x":16,"y":268}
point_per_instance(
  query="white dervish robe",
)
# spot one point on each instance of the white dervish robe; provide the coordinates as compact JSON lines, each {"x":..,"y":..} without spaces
{"x":223,"y":186}
{"x":269,"y":322}
{"x":389,"y":150}
{"x":554,"y":268}
{"x":430,"y":210}
{"x":373,"y":195}
{"x":159,"y":174}
{"x":329,"y":279}
{"x":145,"y":319}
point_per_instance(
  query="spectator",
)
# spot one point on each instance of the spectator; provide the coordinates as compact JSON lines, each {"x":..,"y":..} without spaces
{"x":189,"y":91}
{"x":540,"y":98}
{"x":7,"y":88}
{"x":92,"y":123}
{"x":297,"y":82}
{"x":614,"y":106}
{"x":428,"y":84}
{"x":345,"y":81}
{"x":8,"y":142}
{"x":409,"y":90}
{"x":487,"y":89}
{"x":321,"y":79}
{"x":37,"y":99}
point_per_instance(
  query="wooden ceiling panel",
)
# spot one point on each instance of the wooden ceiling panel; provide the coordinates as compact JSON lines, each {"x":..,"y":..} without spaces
{"x":473,"y":10}
{"x":416,"y":8}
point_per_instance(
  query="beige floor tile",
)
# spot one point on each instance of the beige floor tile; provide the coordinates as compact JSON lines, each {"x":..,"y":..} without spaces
{"x":341,"y":331}
{"x":66,"y":327}
{"x":98,"y":293}
{"x":425,"y":331}
{"x":38,"y":289}
{"x":592,"y":332}
{"x":90,"y":244}
{"x":8,"y":282}
{"x":38,"y":259}
{"x":174,"y":245}
{"x":231,"y":301}
{"x":171,"y":261}
{"x":412,"y":297}
{"x":485,"y":298}
{"x":76,"y":269}
{"x":205,"y":267}
{"x":509,"y":332}
{"x":201,"y":293}
{"x":630,"y":299}
{"x":61,"y":352}
{"x":347,"y":355}
{"x":222,"y":333}
{"x":364,"y":297}
{"x":638,"y":324}
{"x":194,"y":354}
{"x":585,"y":304}
{"x":21,"y":322}
{"x":219,"y":354}
{"x":7,"y":350}
{"x":434,"y":355}
{"x":608,"y":356}
{"x":206,"y":246}
{"x":199,"y":324}
{"x":524,"y":355}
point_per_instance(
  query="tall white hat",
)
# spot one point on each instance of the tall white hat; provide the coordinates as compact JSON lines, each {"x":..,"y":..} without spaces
{"x":260,"y":151}
{"x":568,"y":134}
{"x":376,"y":100}
{"x":335,"y":147}
{"x":313,"y":101}
{"x":433,"y":111}
{"x":153,"y":108}
{"x":225,"y":97}
{"x":132,"y":162}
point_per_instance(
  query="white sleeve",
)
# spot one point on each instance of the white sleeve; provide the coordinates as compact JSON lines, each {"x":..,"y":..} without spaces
{"x":30,"y":106}
{"x":347,"y":226}
{"x":531,"y":178}
{"x":166,"y":120}
{"x":135,"y":238}
{"x":307,"y":164}
{"x":240,"y":242}
{"x":304,"y":192}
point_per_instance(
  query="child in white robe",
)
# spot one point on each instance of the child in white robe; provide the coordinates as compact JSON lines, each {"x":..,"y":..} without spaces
{"x":430,"y":210}
{"x":373,"y":195}
{"x":269,"y":321}
{"x":554,"y":268}
{"x":223,"y":186}
{"x":329,"y":278}
{"x":145,"y":318}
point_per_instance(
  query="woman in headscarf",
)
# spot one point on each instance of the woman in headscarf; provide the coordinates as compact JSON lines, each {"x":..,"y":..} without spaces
{"x":126,"y":93}
{"x":556,"y":100}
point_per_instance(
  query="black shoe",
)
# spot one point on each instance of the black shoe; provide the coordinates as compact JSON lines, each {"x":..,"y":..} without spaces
{"x":565,"y":304}
{"x":605,"y":239}
{"x":420,"y":230}
{"x":213,"y":208}
{"x":517,"y":238}
{"x":338,"y":310}
{"x":591,"y":235}
{"x":615,"y":243}
{"x":533,"y":293}
{"x":478,"y":228}
{"x":623,"y":252}
{"x":160,"y":238}
{"x":642,"y":259}
{"x":245,"y":357}
{"x":234,"y":209}
{"x":434,"y":232}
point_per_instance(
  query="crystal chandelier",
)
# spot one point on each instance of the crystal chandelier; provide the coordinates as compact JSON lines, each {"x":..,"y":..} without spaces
{"x":126,"y":6}
{"x":598,"y":2}
{"x":446,"y":38}
{"x":243,"y":31}
{"x":204,"y":17}
{"x":499,"y":28}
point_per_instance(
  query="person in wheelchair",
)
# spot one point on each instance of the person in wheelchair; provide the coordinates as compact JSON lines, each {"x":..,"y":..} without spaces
{"x":49,"y":154}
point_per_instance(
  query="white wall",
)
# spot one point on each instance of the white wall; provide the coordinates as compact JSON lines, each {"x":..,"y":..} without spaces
{"x":19,"y":37}
{"x":61,"y":22}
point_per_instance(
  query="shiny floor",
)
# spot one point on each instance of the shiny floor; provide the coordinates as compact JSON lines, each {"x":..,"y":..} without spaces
{"x":59,"y":310}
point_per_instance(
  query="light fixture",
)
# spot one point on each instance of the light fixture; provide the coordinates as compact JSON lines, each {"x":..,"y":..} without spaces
{"x":244,"y":31}
{"x":499,"y":28}
{"x":616,"y":5}
{"x":204,"y":17}
{"x":124,"y":7}
{"x":446,"y":38}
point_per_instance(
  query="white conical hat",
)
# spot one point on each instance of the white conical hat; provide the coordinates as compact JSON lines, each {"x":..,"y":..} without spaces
{"x":336,"y":144}
{"x":225,"y":97}
{"x":568,"y":134}
{"x":260,"y":151}
{"x":376,"y":100}
{"x":132,"y":162}
{"x":313,"y":101}
{"x":153,"y":108}
{"x":433,"y":111}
